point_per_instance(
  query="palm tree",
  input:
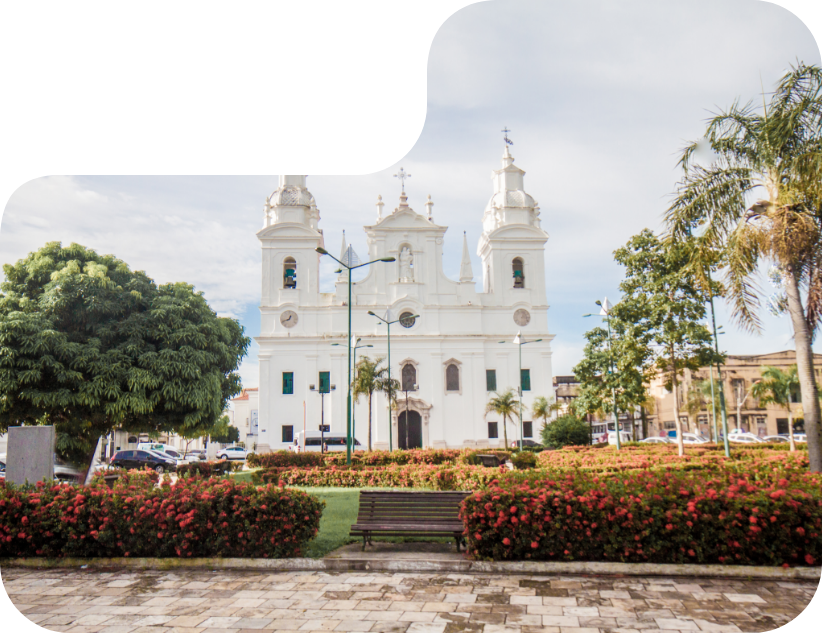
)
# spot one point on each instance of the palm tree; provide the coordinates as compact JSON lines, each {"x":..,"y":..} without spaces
{"x":370,"y":377}
{"x":542,"y":408}
{"x":776,"y":387}
{"x":504,"y":405}
{"x":775,"y":156}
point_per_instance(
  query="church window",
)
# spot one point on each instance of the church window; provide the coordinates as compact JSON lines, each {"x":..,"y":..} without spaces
{"x":407,"y":319}
{"x":527,"y":429}
{"x":517,"y":273}
{"x":288,"y":434}
{"x":324,"y":380}
{"x":409,"y":376}
{"x":492,"y":430}
{"x":452,"y":378}
{"x":289,"y":273}
{"x":491,"y":380}
{"x":288,"y":382}
{"x":525,"y":380}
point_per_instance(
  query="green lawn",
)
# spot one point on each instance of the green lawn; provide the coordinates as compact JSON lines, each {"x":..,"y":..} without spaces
{"x":338,"y":516}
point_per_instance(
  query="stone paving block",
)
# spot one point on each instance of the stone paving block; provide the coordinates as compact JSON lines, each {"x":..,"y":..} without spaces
{"x":425,"y":627}
{"x":677,"y":624}
{"x":561,"y":620}
{"x":416,"y":616}
{"x":352,"y":626}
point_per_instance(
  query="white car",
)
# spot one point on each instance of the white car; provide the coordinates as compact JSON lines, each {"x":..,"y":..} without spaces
{"x":694,"y":438}
{"x":656,"y":440}
{"x":744,"y":438}
{"x":781,"y":439}
{"x":232,"y":452}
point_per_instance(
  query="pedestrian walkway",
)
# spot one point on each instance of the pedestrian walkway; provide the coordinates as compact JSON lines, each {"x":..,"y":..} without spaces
{"x":189,"y":601}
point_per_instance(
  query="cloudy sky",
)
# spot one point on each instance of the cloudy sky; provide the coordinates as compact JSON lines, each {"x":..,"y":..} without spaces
{"x":600,"y":96}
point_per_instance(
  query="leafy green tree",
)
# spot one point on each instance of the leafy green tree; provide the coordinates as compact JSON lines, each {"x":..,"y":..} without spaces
{"x":88,"y":345}
{"x":369,"y":377}
{"x":506,"y":406}
{"x":662,"y":308}
{"x":773,"y":158}
{"x":566,"y":430}
{"x":776,"y":387}
{"x":629,"y":357}
{"x":223,"y":432}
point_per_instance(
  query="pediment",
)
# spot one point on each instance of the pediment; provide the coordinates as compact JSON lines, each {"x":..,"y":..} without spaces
{"x":288,"y":229}
{"x":404,"y":219}
{"x":518,"y":231}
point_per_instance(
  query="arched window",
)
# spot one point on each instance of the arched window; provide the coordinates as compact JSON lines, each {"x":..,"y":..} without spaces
{"x":409,"y":375}
{"x":289,"y":273}
{"x":452,"y":378}
{"x":517,"y":273}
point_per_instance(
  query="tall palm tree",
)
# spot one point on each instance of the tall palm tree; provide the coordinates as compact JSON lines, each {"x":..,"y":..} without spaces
{"x":505,"y":405}
{"x":776,"y":387}
{"x":542,"y":408}
{"x":774,"y":158}
{"x":369,"y":377}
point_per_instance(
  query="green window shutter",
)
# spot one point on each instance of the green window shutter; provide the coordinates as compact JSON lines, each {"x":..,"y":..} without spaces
{"x":288,"y":382}
{"x":491,"y":380}
{"x":525,"y":380}
{"x":324,"y":382}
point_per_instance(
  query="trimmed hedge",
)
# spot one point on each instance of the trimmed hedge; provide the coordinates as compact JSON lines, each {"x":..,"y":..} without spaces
{"x":195,"y":517}
{"x":430,"y":456}
{"x":208,"y":469}
{"x":722,"y":517}
{"x":285,"y":459}
{"x":393,"y":476}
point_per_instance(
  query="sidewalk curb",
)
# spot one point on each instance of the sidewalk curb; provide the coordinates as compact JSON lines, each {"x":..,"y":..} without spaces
{"x":417,"y":566}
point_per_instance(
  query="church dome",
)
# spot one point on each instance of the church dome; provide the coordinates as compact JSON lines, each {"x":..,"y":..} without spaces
{"x":291,"y":196}
{"x":512,"y":199}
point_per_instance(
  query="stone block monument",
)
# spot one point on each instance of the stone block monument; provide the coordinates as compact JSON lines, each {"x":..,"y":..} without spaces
{"x":30,"y":454}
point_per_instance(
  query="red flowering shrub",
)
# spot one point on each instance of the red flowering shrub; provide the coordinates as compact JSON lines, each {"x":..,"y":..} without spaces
{"x":660,"y":516}
{"x":195,"y":517}
{"x":289,"y":459}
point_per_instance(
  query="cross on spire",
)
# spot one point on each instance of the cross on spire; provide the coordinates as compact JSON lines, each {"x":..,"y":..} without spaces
{"x":402,"y":175}
{"x":506,"y":138}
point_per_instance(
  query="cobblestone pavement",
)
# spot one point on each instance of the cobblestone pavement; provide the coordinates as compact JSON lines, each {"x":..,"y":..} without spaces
{"x":228,"y":602}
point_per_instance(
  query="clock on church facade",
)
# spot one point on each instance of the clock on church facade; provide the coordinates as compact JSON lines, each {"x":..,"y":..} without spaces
{"x":445,"y":339}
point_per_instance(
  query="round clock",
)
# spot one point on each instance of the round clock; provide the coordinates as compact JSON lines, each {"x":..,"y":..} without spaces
{"x":288,"y":318}
{"x":407,"y":319}
{"x":522,"y":317}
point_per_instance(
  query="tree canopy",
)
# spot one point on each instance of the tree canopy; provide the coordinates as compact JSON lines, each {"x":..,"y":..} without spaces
{"x":566,"y":430}
{"x":88,"y":345}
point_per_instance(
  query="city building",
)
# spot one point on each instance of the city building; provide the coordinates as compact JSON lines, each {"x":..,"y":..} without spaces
{"x":567,"y":389}
{"x":445,"y":349}
{"x":243,"y":416}
{"x":744,"y":411}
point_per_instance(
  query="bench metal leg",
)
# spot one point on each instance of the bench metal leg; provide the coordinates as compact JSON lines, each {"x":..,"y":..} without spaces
{"x":364,"y":543}
{"x":457,"y":541}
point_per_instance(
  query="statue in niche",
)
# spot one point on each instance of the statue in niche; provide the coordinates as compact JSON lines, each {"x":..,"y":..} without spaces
{"x":406,"y":264}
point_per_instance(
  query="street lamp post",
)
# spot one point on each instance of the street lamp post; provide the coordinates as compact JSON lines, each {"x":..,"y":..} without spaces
{"x":518,"y":340}
{"x":605,"y":308}
{"x":355,"y":347}
{"x":388,"y":321}
{"x":323,"y":392}
{"x":350,"y":268}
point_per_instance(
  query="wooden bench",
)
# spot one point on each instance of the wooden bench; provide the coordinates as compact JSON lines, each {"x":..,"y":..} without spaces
{"x":409,"y":514}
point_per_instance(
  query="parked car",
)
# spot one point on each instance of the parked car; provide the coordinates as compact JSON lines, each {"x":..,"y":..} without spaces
{"x":196,"y":453}
{"x":695,"y":438}
{"x":612,"y":438}
{"x":232,"y":452}
{"x":776,"y":438}
{"x":177,"y":454}
{"x":744,"y":438}
{"x":656,"y":440}
{"x":138,"y":459}
{"x":800,"y":437}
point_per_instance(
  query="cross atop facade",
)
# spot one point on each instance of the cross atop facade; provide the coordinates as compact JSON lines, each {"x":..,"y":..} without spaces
{"x":506,"y":138}
{"x":402,"y":175}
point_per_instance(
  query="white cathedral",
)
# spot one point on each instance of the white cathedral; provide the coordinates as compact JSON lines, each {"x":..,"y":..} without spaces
{"x":446,"y":349}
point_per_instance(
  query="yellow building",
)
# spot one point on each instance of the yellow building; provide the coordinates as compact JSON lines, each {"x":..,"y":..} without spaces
{"x":744,"y":411}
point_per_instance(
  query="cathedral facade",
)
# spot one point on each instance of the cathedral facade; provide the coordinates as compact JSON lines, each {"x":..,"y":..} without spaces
{"x":446,"y":349}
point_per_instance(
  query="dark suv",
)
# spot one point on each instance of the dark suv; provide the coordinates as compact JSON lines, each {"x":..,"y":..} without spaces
{"x":140,"y":459}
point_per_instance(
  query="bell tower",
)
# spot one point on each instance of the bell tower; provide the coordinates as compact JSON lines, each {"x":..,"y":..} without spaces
{"x":512,"y":244}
